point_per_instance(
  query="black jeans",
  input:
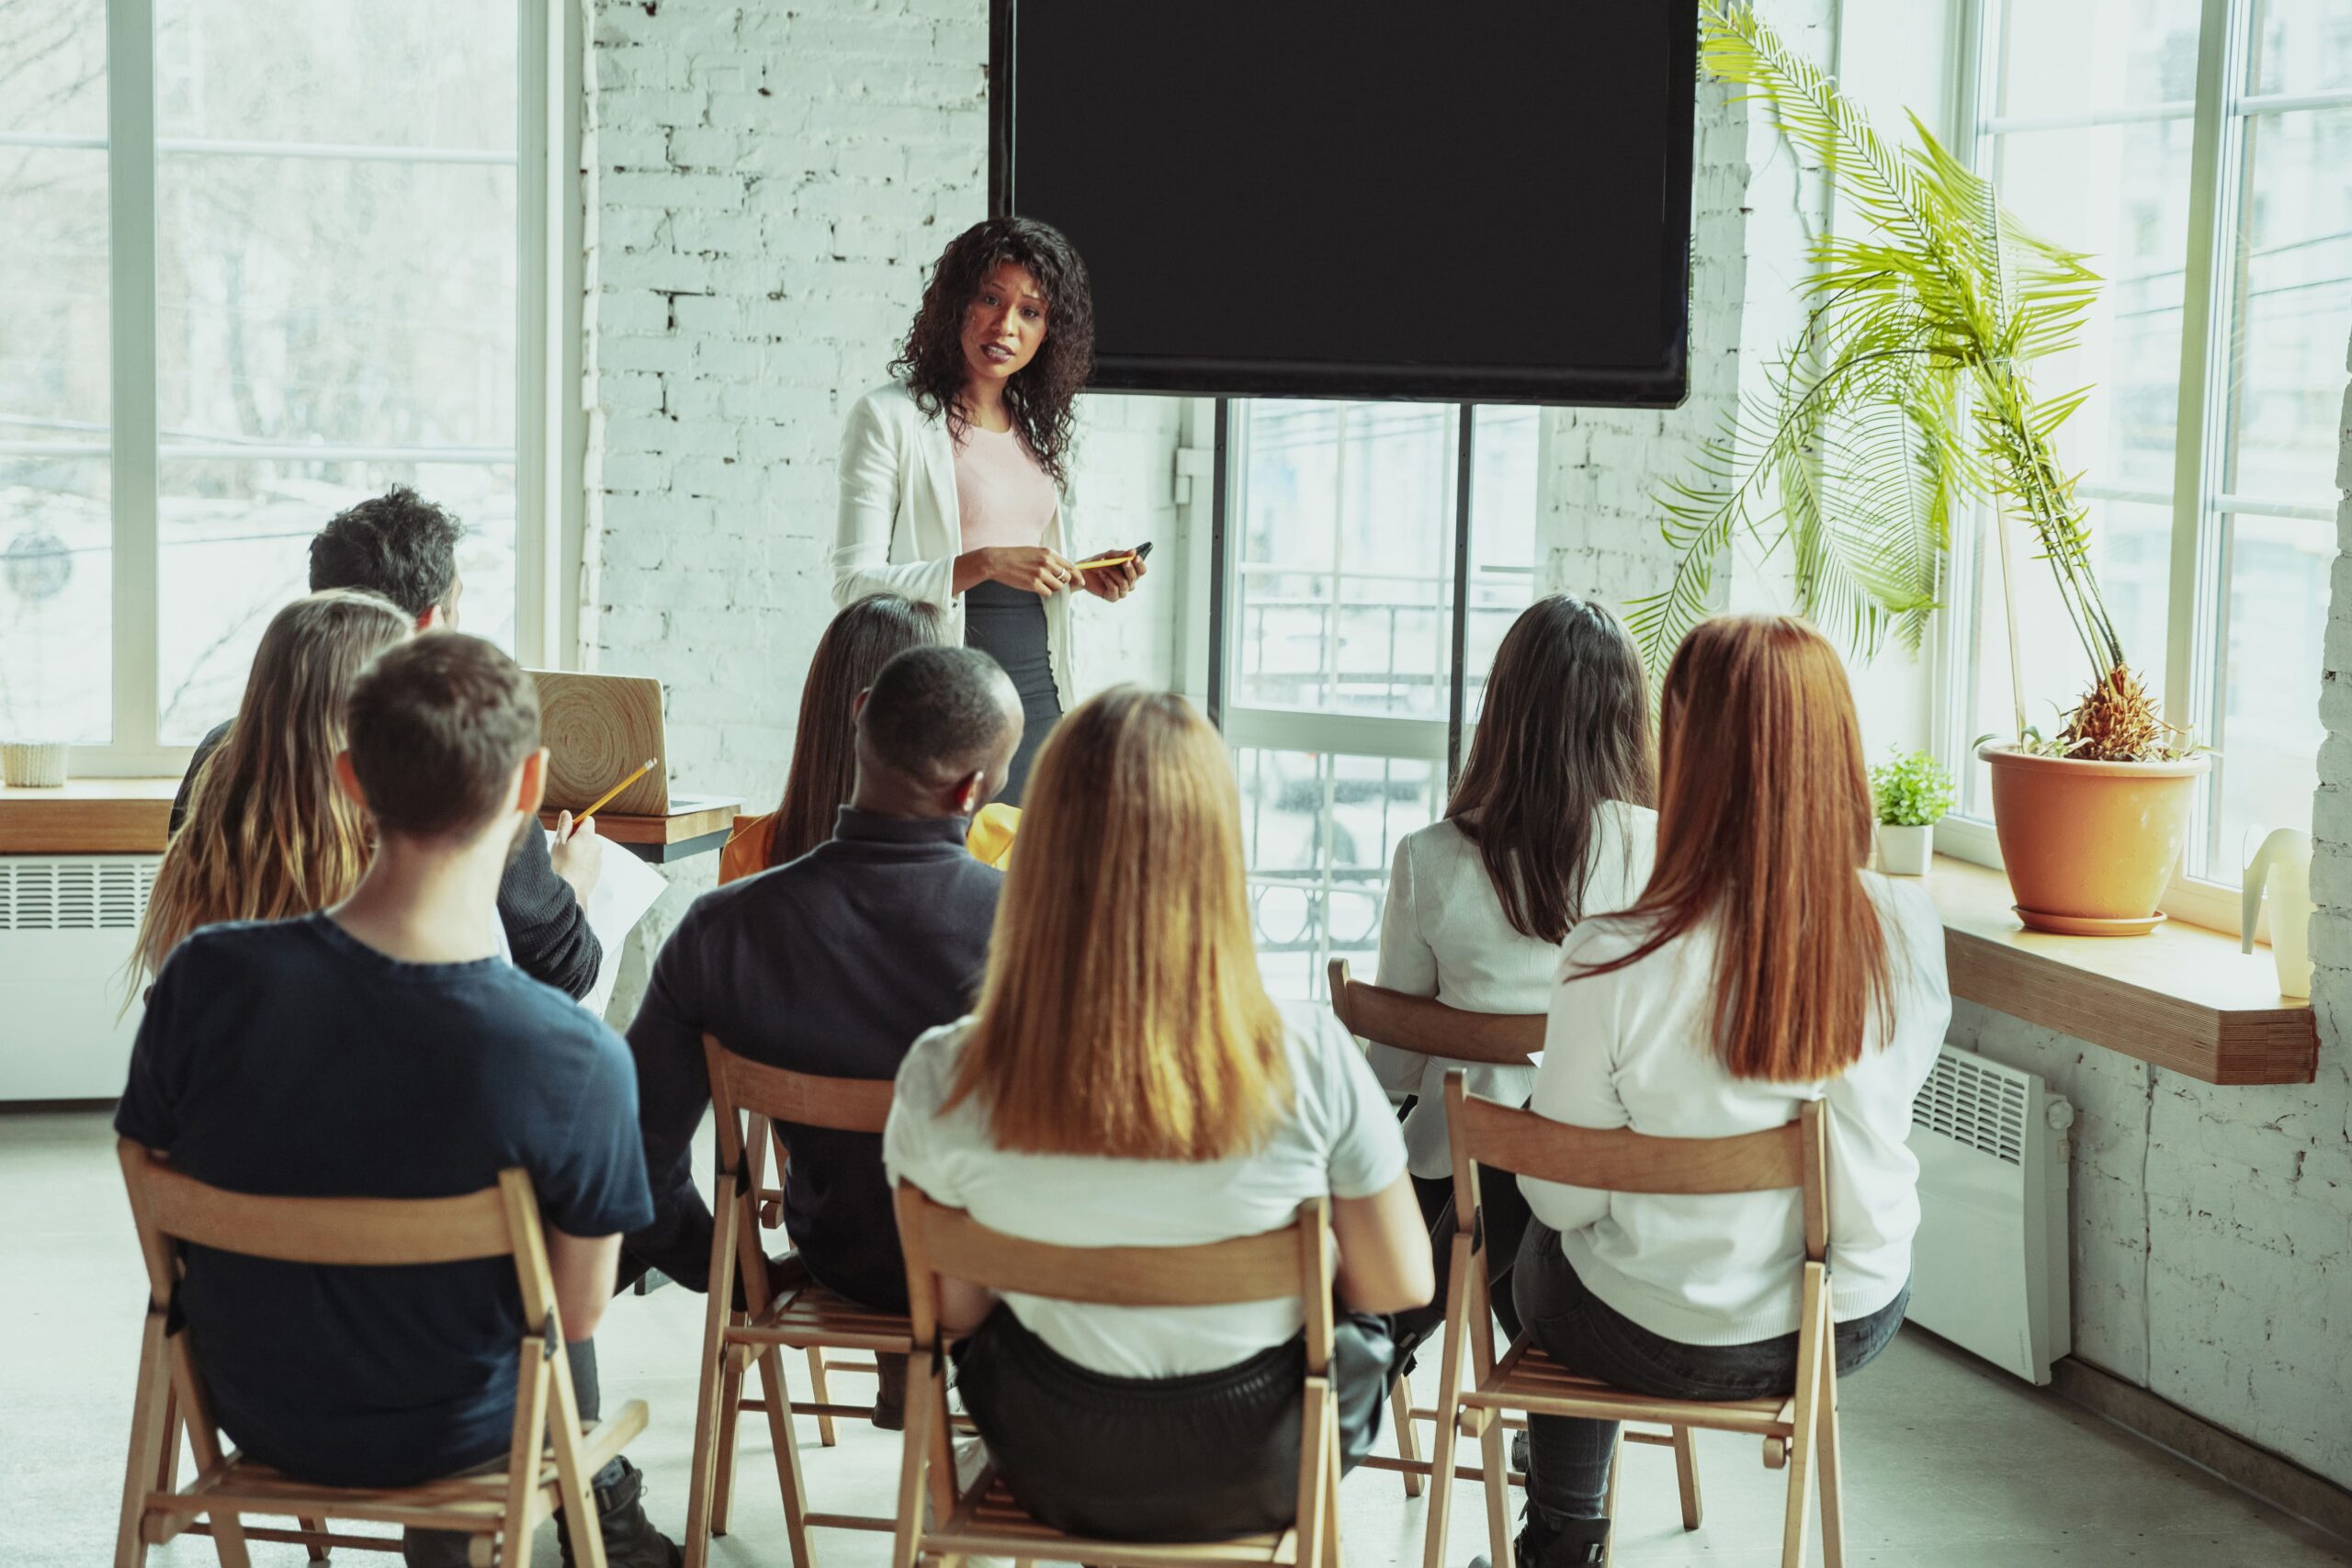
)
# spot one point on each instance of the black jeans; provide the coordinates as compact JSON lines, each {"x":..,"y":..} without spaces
{"x":1567,"y":1469}
{"x":1507,"y":1218}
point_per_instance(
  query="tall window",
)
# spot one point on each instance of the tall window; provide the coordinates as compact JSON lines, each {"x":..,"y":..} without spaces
{"x":262,"y":259}
{"x":1342,"y":695}
{"x":2203,"y":153}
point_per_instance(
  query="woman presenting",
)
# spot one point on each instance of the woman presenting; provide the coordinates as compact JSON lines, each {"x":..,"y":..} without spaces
{"x":951,"y":475}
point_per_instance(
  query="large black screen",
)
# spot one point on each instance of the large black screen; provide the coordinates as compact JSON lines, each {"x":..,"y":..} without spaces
{"x":1364,"y":198}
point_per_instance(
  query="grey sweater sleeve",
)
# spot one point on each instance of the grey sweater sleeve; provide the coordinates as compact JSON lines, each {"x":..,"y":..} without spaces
{"x":547,"y":927}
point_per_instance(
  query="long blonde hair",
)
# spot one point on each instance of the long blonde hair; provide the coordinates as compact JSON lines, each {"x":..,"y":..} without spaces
{"x":268,"y":835}
{"x":1123,"y":1014}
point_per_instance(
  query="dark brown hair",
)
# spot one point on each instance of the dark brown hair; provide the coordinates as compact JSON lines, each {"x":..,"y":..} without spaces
{"x":1763,"y":826}
{"x":1565,"y":728}
{"x":438,"y":727}
{"x":1039,"y":397}
{"x":860,"y":640}
{"x":397,"y":544}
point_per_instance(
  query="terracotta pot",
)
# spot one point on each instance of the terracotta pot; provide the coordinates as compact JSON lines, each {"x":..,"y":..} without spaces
{"x":2090,"y":847}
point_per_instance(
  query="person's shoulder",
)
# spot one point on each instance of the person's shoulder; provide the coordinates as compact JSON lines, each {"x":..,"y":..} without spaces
{"x":892,"y":402}
{"x":230,"y":947}
{"x":1315,"y":1036}
{"x":1635,"y":823}
{"x":928,"y":1071}
{"x":1602,"y":939}
{"x":1914,"y":924}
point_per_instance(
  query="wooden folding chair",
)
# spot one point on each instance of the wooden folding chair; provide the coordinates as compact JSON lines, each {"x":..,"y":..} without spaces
{"x":1794,"y":1430}
{"x":1419,"y":1023}
{"x":751,"y":1098}
{"x":550,"y":1468}
{"x":984,"y":1521}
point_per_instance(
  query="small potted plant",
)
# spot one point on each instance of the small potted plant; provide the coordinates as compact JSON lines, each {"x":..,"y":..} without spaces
{"x":1912,"y":791}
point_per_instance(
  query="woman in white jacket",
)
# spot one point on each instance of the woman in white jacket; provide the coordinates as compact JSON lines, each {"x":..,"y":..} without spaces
{"x":952,"y":474}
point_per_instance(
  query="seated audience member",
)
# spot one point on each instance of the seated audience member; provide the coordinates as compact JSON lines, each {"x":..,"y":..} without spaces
{"x":1127,"y":1081}
{"x":831,"y":965}
{"x":1761,"y":968}
{"x":856,"y":643}
{"x":405,"y":548}
{"x":380,"y":1048}
{"x":1550,"y":823}
{"x":270,"y":834}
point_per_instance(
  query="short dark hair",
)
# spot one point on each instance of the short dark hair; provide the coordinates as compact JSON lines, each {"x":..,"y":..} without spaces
{"x":437,"y":726}
{"x":934,"y":714}
{"x":397,"y":544}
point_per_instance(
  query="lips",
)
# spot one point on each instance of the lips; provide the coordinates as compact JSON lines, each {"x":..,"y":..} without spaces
{"x":998,"y":352}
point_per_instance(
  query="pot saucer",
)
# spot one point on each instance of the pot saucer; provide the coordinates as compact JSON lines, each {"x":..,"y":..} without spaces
{"x":2087,"y":925}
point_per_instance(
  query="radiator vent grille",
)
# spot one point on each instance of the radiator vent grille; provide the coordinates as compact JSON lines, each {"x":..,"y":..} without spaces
{"x":1977,"y":1103}
{"x":81,"y":894}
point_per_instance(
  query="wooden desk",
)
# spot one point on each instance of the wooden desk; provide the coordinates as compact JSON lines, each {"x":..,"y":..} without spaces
{"x":696,"y":824}
{"x":2181,"y":997}
{"x":88,"y":817}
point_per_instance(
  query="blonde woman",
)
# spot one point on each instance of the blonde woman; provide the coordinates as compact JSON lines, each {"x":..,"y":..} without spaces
{"x":1127,"y":1081}
{"x":269,"y":834}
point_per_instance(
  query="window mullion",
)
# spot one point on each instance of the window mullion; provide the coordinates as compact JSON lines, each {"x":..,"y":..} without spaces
{"x":1457,"y":685}
{"x":131,"y":186}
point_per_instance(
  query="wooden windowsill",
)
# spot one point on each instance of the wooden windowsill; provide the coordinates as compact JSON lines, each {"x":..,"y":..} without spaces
{"x":87,"y":816}
{"x":2182,"y":997}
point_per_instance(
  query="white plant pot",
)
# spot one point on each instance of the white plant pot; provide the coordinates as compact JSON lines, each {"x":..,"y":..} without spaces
{"x":1904,"y":852}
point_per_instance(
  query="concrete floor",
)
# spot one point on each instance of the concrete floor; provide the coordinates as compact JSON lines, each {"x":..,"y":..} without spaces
{"x":1949,"y":1463}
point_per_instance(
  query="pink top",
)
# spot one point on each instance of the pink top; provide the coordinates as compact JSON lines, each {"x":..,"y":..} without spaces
{"x":1004,"y":496}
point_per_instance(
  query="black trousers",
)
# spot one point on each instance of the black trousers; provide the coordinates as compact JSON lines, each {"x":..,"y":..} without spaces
{"x":1188,"y":1457}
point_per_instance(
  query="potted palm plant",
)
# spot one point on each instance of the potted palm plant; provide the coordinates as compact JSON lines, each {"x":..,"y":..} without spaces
{"x":1904,"y":395}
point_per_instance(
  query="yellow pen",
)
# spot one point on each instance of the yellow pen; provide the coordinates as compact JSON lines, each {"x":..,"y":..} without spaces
{"x":609,"y":795}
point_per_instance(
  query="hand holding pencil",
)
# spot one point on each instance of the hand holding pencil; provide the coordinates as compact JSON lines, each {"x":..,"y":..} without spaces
{"x":578,"y":853}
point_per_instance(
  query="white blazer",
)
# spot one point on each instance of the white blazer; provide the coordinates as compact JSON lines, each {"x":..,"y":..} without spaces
{"x":901,"y":527}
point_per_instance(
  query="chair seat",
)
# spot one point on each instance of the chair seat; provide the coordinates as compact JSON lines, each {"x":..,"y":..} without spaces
{"x":989,"y":1523}
{"x":475,"y":1501}
{"x":1527,"y":1378}
{"x":811,"y":1315}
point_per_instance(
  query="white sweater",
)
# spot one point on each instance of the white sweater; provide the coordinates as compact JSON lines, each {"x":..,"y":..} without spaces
{"x":1443,"y":934}
{"x":1634,"y":1048}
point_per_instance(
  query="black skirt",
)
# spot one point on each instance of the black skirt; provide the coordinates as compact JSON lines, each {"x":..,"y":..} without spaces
{"x":1009,"y":625}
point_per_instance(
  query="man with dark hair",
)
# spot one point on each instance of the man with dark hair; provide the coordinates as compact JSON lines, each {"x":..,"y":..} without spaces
{"x":405,"y":548}
{"x":379,"y":1049}
{"x":832,"y":964}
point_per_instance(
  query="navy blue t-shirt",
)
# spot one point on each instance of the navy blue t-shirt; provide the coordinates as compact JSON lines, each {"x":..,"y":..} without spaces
{"x":287,"y":1058}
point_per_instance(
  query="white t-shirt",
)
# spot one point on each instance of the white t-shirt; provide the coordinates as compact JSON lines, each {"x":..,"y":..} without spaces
{"x":1339,"y":1138}
{"x":1445,"y":935}
{"x":1635,"y":1048}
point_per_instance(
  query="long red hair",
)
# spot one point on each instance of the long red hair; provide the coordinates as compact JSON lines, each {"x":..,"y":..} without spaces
{"x":1763,"y":821}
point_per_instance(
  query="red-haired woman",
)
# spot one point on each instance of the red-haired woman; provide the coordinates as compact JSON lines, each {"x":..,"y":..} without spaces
{"x":1762,"y":967}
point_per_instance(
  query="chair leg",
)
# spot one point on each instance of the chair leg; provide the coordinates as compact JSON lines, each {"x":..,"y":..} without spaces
{"x":1805,"y":1417}
{"x":712,"y":1387}
{"x":1609,"y":1499}
{"x":1315,"y":1475}
{"x":1833,"y":1519}
{"x":777,"y":1395}
{"x":1449,"y":1412}
{"x":1685,"y":1474}
{"x":152,"y":1430}
{"x":730,"y":1412}
{"x":1495,"y":1454}
{"x":1408,"y":1448}
{"x":821,"y":1393}
{"x":1331,"y":1554}
{"x":316,"y":1525}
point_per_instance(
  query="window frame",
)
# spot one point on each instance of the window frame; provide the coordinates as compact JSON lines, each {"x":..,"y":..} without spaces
{"x":2196,"y":621}
{"x":550,"y":428}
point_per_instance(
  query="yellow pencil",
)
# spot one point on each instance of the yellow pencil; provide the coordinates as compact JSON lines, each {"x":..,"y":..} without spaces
{"x":616,"y":790}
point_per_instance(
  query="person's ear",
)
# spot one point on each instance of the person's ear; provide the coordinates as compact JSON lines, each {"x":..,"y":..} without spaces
{"x":531,"y":783}
{"x":347,"y":779}
{"x":430,"y":620}
{"x":857,"y":704}
{"x":971,"y":792}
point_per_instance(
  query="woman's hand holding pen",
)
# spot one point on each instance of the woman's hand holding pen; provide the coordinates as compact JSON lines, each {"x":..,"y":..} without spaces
{"x":1114,"y":580}
{"x":1030,"y":567}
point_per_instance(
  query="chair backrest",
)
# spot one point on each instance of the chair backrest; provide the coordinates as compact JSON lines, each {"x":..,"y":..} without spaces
{"x":1423,"y":1024}
{"x":847,"y":1105}
{"x":1484,"y":1132}
{"x":944,"y":1243}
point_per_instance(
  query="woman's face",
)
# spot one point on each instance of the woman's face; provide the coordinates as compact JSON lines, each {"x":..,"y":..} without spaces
{"x":1004,"y":324}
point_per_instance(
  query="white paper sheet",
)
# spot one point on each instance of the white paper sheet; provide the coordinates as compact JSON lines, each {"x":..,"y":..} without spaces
{"x":626,"y":888}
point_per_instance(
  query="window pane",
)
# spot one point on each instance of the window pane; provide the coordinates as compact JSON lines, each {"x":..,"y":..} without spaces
{"x":235,"y":546}
{"x":2131,"y":548}
{"x":1345,"y":568}
{"x":54,"y":67}
{"x":56,"y":600}
{"x":2068,"y":56}
{"x":2301,"y":46}
{"x":1503,"y":539}
{"x":2121,"y":193}
{"x":53,"y":330}
{"x":2293,"y":311}
{"x":418,"y":73}
{"x":1318,"y":830}
{"x":2270,"y":730}
{"x":338,"y":301}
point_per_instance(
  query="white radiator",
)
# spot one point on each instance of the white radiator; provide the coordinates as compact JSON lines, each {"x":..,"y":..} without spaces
{"x":1989,"y":1268}
{"x":67,"y":923}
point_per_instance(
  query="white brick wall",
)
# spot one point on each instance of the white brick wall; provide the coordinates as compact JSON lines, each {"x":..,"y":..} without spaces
{"x":767,"y":187}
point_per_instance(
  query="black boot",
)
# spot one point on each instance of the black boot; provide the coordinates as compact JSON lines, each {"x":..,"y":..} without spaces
{"x":630,"y":1539}
{"x":1574,"y":1543}
{"x":890,"y":1398}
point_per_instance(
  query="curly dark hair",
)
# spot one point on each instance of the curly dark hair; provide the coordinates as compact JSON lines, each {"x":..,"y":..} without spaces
{"x":1040,"y":397}
{"x":397,"y":544}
